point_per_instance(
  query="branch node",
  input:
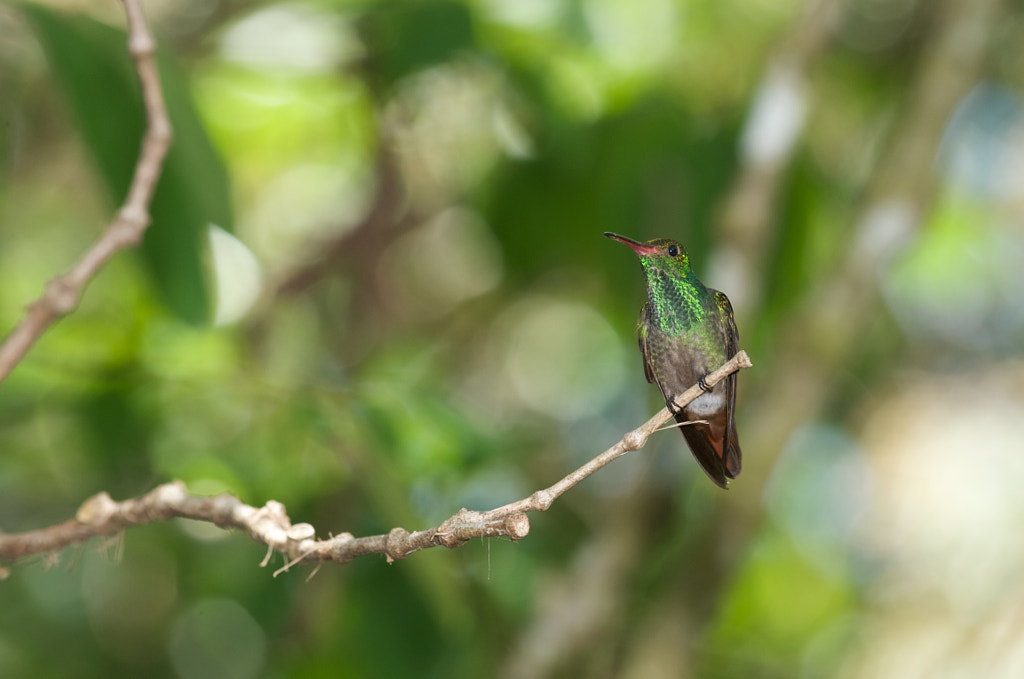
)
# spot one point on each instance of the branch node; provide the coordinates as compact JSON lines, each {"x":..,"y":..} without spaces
{"x":449,"y":540}
{"x":140,"y":42}
{"x":61,"y":295}
{"x":131,"y":223}
{"x":269,"y":523}
{"x":517,"y":526}
{"x":634,"y":440}
{"x":276,"y":512}
{"x":451,"y":533}
{"x":543,"y":499}
{"x":300,"y":532}
{"x":396,"y":546}
{"x":171,"y":494}
{"x":96,"y":510}
{"x":161,"y":132}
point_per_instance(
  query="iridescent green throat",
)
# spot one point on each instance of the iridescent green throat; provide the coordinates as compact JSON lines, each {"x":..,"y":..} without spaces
{"x":675,"y":299}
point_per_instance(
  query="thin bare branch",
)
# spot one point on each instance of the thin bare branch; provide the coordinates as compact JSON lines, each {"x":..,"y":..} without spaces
{"x":62,"y":293}
{"x":101,"y":516}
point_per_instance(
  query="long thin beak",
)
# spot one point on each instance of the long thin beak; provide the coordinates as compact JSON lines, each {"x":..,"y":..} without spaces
{"x":639,"y":248}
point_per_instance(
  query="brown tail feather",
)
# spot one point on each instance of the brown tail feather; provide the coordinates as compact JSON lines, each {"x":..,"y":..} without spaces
{"x":733,"y":459}
{"x":719,"y":455}
{"x":698,"y":437}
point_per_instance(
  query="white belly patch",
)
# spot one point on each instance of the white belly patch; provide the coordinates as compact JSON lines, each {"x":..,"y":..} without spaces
{"x":707,"y":403}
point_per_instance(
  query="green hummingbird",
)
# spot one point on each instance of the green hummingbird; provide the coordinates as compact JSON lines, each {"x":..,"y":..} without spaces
{"x":686,"y":330}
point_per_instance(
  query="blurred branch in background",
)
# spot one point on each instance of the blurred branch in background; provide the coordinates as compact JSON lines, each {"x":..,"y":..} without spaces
{"x":62,"y":293}
{"x":100,"y":516}
{"x":387,"y":218}
{"x":772,"y":131}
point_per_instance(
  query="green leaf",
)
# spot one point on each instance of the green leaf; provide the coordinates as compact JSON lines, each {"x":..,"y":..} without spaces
{"x":93,"y":67}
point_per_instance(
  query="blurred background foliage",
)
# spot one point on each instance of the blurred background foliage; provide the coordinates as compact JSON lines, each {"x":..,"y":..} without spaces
{"x":376,"y":290}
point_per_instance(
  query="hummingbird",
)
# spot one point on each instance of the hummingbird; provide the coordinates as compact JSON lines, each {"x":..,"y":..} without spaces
{"x":686,"y":330}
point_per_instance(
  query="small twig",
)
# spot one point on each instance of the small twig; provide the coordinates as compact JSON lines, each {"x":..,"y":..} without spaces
{"x":677,"y":425}
{"x":62,"y":293}
{"x":101,"y":516}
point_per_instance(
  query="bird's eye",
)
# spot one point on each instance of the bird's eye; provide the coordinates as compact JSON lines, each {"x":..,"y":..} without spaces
{"x":673,"y":251}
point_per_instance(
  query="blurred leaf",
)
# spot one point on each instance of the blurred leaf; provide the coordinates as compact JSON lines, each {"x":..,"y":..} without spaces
{"x":779,"y":603}
{"x":407,"y":37}
{"x":647,"y":172}
{"x":102,"y":89}
{"x":791,"y":266}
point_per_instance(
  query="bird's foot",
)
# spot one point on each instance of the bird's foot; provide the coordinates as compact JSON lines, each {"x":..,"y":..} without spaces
{"x":672,"y":406}
{"x":703,"y":384}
